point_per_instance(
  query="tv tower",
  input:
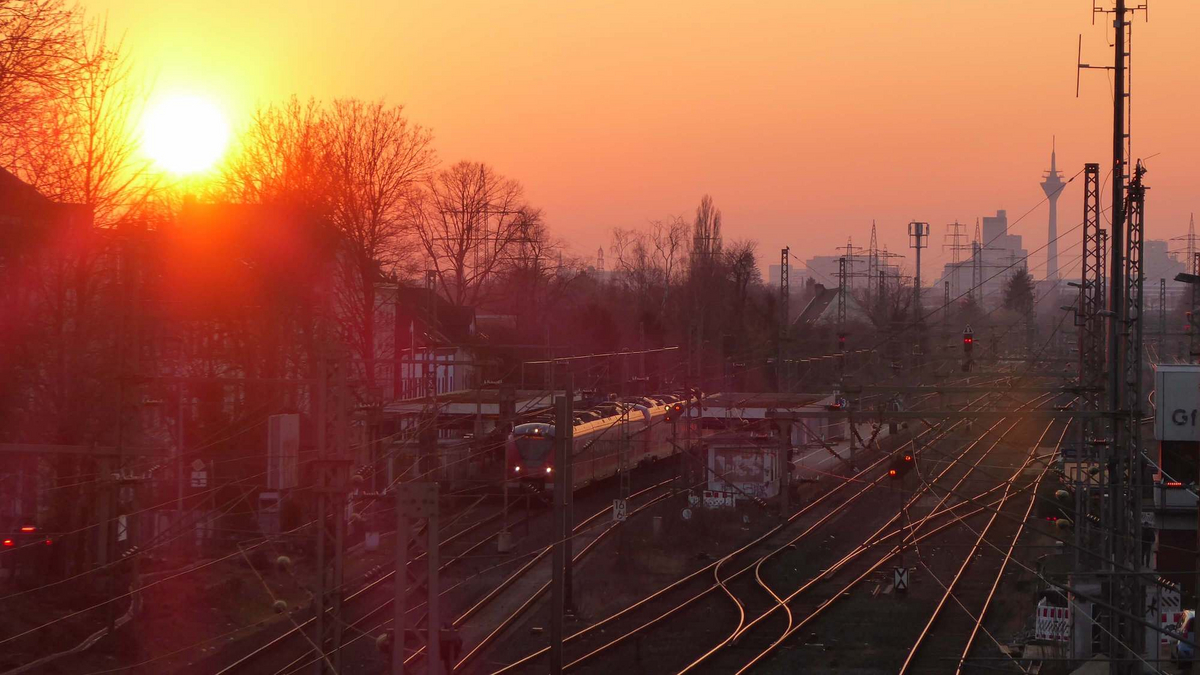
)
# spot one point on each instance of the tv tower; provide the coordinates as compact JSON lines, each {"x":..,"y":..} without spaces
{"x":1052,"y":185}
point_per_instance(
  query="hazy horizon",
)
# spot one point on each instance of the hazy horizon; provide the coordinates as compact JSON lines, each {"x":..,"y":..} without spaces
{"x":803,"y":124}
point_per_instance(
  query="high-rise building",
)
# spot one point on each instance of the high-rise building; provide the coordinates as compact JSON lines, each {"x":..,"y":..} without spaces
{"x":1000,"y":255}
{"x":1052,"y":185}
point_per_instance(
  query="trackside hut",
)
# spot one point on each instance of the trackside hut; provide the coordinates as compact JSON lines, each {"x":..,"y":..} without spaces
{"x":728,"y":410}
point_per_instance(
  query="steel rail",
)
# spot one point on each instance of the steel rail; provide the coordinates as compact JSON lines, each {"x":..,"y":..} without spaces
{"x":987,"y":603}
{"x":475,"y":608}
{"x":962,"y":569}
{"x":262,"y":649}
{"x":869,"y":541}
{"x":848,"y":481}
{"x":911,"y":539}
{"x":896,"y":549}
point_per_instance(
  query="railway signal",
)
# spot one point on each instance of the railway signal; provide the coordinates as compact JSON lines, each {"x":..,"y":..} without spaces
{"x":901,"y":464}
{"x":674,"y":411}
{"x":968,"y":338}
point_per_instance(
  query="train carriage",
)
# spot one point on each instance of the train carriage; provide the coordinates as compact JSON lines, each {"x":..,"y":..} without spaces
{"x":644,"y":427}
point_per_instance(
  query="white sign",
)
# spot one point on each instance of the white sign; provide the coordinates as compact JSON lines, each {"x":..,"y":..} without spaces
{"x":620,"y":510}
{"x":1177,"y":402}
{"x":283,"y":451}
{"x":686,"y":514}
{"x":900,"y":578}
{"x":1053,"y":623}
{"x":693,"y":499}
{"x":1164,"y":604}
{"x":199,"y":479}
{"x":717,"y":499}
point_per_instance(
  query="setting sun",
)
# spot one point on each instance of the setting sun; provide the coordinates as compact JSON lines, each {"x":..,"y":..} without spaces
{"x":185,"y":134}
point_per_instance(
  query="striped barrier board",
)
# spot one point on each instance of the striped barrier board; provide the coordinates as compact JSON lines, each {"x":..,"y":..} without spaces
{"x":1053,"y":623}
{"x":1172,"y":621}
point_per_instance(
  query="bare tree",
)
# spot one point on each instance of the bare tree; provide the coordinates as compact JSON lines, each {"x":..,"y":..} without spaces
{"x":649,"y":262}
{"x":741,"y":261}
{"x":706,"y":231}
{"x":540,"y":275}
{"x":282,"y":159}
{"x":37,"y":61}
{"x":76,"y":146}
{"x":470,"y":222}
{"x":82,"y":148}
{"x":376,"y":157}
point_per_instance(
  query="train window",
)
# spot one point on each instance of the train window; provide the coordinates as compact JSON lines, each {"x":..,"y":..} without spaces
{"x":534,"y":448}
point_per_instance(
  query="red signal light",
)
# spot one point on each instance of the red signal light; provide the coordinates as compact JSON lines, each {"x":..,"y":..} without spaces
{"x":673,"y":411}
{"x":29,"y":528}
{"x":49,"y":542}
{"x":8,"y":542}
{"x":901,"y":464}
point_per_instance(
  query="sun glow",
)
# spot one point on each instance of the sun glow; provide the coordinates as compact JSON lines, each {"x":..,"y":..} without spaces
{"x":185,"y":134}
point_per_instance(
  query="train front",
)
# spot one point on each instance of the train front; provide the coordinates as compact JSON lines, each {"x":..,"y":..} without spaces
{"x":531,"y":454}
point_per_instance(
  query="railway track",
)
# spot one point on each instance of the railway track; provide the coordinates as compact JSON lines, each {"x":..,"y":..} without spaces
{"x":777,"y":614}
{"x":953,"y":642}
{"x":293,"y":650}
{"x":587,"y":532}
{"x":293,"y":638}
{"x":597,"y":640}
{"x":827,"y":589}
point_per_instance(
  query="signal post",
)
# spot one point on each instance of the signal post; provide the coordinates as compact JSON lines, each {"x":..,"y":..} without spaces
{"x":561,"y":556}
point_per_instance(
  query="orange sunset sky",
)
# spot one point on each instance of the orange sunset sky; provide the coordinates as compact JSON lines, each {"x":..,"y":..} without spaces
{"x":804,"y":120}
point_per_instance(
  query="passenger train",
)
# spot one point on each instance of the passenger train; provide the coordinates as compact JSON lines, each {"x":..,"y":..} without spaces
{"x":599,"y":431}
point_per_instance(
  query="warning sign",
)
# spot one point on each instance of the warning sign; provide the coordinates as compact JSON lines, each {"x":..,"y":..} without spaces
{"x":718,"y":499}
{"x":1053,"y":623}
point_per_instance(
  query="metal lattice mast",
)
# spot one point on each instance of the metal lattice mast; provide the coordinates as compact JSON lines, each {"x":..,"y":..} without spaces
{"x":851,"y":255}
{"x":1194,"y":263}
{"x":1125,"y":467}
{"x":785,"y":293}
{"x":1091,"y":337}
{"x":918,"y":234}
{"x":1191,"y":245}
{"x":841,"y":316}
{"x":977,"y":266}
{"x":1162,"y":312}
{"x":1124,"y":362}
{"x":873,"y":266}
{"x":955,"y":241}
{"x":946,"y":308}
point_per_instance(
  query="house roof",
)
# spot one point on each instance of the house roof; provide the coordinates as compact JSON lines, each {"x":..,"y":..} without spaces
{"x":817,"y":306}
{"x":16,"y":194}
{"x":455,"y":324}
{"x":31,"y":221}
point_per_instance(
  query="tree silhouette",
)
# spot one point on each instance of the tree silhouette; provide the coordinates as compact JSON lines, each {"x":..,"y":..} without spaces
{"x":1018,"y":292}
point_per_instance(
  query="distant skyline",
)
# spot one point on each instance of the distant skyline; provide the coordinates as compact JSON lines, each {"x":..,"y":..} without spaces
{"x":804,"y":122}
